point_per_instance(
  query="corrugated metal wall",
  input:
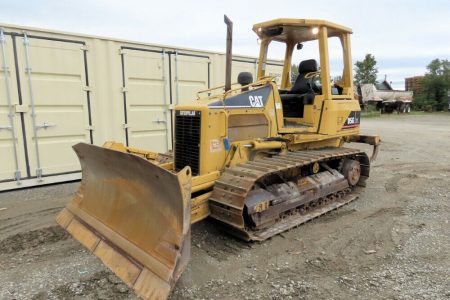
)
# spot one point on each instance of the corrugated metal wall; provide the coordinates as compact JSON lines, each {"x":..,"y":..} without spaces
{"x":58,"y":89}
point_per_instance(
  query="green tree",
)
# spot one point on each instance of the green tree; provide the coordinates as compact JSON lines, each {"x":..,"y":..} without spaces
{"x":366,"y":70}
{"x":436,"y":85}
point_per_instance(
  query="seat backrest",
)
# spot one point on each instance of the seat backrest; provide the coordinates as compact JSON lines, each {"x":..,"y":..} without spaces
{"x":303,"y":85}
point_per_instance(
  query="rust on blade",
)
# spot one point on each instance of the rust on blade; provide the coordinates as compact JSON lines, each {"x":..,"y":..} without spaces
{"x":134,"y":216}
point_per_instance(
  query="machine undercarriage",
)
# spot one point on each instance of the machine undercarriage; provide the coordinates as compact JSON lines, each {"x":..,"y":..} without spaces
{"x":262,"y":198}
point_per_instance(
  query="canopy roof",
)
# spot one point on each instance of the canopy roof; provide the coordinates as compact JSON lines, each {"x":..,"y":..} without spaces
{"x":297,"y":30}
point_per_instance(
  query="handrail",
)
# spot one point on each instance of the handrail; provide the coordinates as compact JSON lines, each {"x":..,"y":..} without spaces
{"x":212,"y":89}
{"x":262,"y":80}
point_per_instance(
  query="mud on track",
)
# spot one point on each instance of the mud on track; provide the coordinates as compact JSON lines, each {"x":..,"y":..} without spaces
{"x":394,"y":242}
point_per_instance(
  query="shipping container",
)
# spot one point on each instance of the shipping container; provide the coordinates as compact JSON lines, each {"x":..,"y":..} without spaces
{"x":58,"y":89}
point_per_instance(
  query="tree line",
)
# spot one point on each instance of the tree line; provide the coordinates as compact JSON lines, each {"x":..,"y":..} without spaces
{"x":435,"y":87}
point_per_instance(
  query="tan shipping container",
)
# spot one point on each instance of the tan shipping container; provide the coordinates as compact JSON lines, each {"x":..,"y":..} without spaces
{"x":58,"y":89}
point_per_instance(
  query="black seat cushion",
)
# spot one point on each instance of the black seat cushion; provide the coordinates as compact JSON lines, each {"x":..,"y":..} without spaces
{"x":304,"y":85}
{"x":294,"y":104}
{"x":307,"y":98}
{"x":307,"y":66}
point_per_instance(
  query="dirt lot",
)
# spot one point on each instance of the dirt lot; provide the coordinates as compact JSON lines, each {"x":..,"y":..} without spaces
{"x":394,"y":242}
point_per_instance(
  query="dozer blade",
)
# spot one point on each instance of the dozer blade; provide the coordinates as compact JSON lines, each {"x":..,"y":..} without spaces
{"x":134,"y":216}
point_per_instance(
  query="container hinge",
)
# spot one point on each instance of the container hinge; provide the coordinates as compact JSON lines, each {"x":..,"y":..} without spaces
{"x":124,"y":90}
{"x":87,"y":89}
{"x":122,"y":51}
{"x":2,"y":36}
{"x":84,"y":47}
{"x":39,"y":174}
{"x":125,"y":126}
{"x":25,"y":40}
{"x":17,"y":176}
{"x":90,"y":127}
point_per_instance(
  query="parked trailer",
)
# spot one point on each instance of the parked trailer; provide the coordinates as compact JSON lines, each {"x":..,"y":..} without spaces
{"x":385,"y":98}
{"x":58,"y":89}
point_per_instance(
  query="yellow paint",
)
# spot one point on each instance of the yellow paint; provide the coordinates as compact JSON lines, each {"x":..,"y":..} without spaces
{"x":200,"y":207}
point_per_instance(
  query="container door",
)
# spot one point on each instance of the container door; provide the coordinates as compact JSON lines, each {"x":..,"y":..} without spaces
{"x":55,"y":93}
{"x":146,"y":99}
{"x":190,"y":74}
{"x":12,"y":155}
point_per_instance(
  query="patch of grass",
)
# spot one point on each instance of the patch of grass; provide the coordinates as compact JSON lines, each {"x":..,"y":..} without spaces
{"x":417,"y":113}
{"x":370,"y":114}
{"x":411,"y":113}
{"x":375,"y":114}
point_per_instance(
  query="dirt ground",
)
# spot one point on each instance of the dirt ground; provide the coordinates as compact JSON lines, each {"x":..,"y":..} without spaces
{"x":392,"y":243}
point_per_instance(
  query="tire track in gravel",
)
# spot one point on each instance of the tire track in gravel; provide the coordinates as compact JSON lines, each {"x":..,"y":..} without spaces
{"x":100,"y":285}
{"x":14,"y":224}
{"x":32,"y":239}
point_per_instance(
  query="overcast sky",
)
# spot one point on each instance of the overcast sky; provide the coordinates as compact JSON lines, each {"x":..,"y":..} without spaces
{"x":403,"y":35}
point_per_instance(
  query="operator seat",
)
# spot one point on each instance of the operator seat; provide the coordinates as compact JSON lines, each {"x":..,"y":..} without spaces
{"x":302,"y":92}
{"x":304,"y":85}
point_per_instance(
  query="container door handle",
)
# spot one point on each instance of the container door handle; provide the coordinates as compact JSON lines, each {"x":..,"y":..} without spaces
{"x":45,"y":125}
{"x":7,"y":127}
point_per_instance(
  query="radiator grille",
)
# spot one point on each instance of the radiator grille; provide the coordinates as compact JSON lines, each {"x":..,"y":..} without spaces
{"x":187,"y":140}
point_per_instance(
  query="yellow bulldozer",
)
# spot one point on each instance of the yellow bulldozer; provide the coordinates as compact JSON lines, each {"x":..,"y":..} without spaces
{"x":257,"y":157}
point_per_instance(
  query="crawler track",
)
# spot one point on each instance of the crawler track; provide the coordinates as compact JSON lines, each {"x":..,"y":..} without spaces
{"x":233,"y":200}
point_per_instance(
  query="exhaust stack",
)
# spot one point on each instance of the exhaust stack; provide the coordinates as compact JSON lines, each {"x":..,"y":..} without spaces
{"x":228,"y":52}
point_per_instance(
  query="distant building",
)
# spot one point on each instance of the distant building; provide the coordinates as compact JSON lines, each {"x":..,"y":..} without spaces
{"x":384,"y":86}
{"x":414,"y":84}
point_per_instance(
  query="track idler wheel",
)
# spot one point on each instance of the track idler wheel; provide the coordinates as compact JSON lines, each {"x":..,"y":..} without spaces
{"x":351,"y":170}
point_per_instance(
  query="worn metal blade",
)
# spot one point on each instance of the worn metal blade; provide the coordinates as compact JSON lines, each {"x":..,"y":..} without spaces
{"x":134,"y":216}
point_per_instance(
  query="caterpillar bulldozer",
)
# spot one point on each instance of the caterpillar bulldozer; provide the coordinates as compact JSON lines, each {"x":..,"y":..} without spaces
{"x":258,"y":158}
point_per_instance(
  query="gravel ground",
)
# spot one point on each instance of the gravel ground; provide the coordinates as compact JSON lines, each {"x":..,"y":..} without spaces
{"x":394,"y":242}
